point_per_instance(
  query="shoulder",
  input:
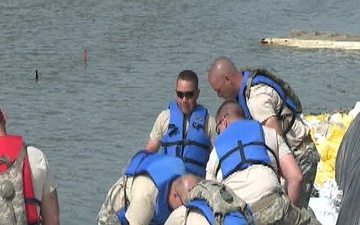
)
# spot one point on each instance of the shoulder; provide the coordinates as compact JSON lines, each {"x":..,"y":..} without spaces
{"x":270,"y":132}
{"x":275,"y":141}
{"x":196,"y":217}
{"x":143,"y":185}
{"x":262,"y":90}
{"x":38,"y":162}
{"x":177,"y":216}
{"x":36,"y":155}
{"x":164,"y":114}
{"x":271,"y":137}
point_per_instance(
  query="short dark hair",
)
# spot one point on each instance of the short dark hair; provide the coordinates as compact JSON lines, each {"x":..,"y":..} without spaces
{"x":189,"y":75}
{"x":230,"y":107}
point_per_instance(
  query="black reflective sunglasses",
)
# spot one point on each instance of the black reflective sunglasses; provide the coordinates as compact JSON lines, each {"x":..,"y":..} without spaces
{"x":186,"y":94}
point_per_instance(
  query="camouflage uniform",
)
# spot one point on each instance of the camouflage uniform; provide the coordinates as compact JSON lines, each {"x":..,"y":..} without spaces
{"x":264,"y":102}
{"x":12,"y":210}
{"x":276,"y":209}
{"x":115,"y":199}
{"x":307,"y":157}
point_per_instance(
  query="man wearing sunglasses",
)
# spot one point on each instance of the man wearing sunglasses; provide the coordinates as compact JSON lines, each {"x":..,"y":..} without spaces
{"x":250,"y":158}
{"x":185,"y":129}
{"x":271,"y":101}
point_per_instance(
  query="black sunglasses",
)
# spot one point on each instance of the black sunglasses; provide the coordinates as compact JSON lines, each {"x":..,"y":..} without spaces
{"x":186,"y":94}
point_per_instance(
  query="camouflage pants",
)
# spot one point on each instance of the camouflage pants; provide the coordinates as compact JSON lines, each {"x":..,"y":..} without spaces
{"x":307,"y":157}
{"x":115,"y":200}
{"x":280,"y":211}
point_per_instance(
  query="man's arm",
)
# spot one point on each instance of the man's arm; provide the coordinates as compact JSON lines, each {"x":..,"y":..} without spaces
{"x":289,"y":170}
{"x":263,"y":104}
{"x":142,"y":202}
{"x":292,"y":174}
{"x":177,"y":217}
{"x":44,"y":186}
{"x":49,"y":209}
{"x":211,"y":166}
{"x":157,"y":132}
{"x":273,"y":122}
{"x":196,"y":218}
{"x":152,"y":145}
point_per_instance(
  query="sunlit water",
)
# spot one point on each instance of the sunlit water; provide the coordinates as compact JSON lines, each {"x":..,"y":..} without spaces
{"x":89,"y":119}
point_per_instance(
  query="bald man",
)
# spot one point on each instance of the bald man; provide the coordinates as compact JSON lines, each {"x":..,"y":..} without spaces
{"x":249,"y":158}
{"x":261,"y":100}
{"x":202,"y":202}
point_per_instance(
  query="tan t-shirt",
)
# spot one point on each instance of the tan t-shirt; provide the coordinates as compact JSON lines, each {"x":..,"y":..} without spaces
{"x":162,"y":122}
{"x":264,"y":102}
{"x":141,"y":193}
{"x":256,"y":181}
{"x":42,"y":177}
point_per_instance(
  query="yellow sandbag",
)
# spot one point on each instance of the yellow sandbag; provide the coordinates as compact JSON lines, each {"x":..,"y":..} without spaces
{"x":336,"y":134}
{"x":326,"y":150}
{"x":322,"y":176}
{"x":341,"y":118}
{"x":327,"y":130}
{"x":315,"y":117}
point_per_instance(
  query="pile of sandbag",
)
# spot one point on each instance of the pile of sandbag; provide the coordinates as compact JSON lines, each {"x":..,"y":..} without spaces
{"x":327,"y":130}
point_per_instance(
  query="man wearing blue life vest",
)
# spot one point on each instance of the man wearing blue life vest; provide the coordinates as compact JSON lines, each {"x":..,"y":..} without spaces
{"x":250,"y":158}
{"x":185,"y":129}
{"x":268,"y":99}
{"x":142,"y":195}
{"x":206,"y":202}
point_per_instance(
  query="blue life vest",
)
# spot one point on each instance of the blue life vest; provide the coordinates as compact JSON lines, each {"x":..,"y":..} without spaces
{"x":193,"y":146}
{"x":262,"y":79}
{"x":230,"y":218}
{"x":241,"y":145}
{"x":162,"y":169}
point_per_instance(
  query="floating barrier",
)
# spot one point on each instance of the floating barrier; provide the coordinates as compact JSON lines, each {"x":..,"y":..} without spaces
{"x":310,"y":39}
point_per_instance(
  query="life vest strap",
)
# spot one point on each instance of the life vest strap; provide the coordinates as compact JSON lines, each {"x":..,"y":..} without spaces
{"x":6,"y":160}
{"x":185,"y":142}
{"x":240,"y":148}
{"x":289,"y":126}
{"x":121,"y":216}
{"x":286,"y":86}
{"x":32,"y":201}
{"x":244,"y":160}
{"x":192,"y":161}
{"x":29,"y":197}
